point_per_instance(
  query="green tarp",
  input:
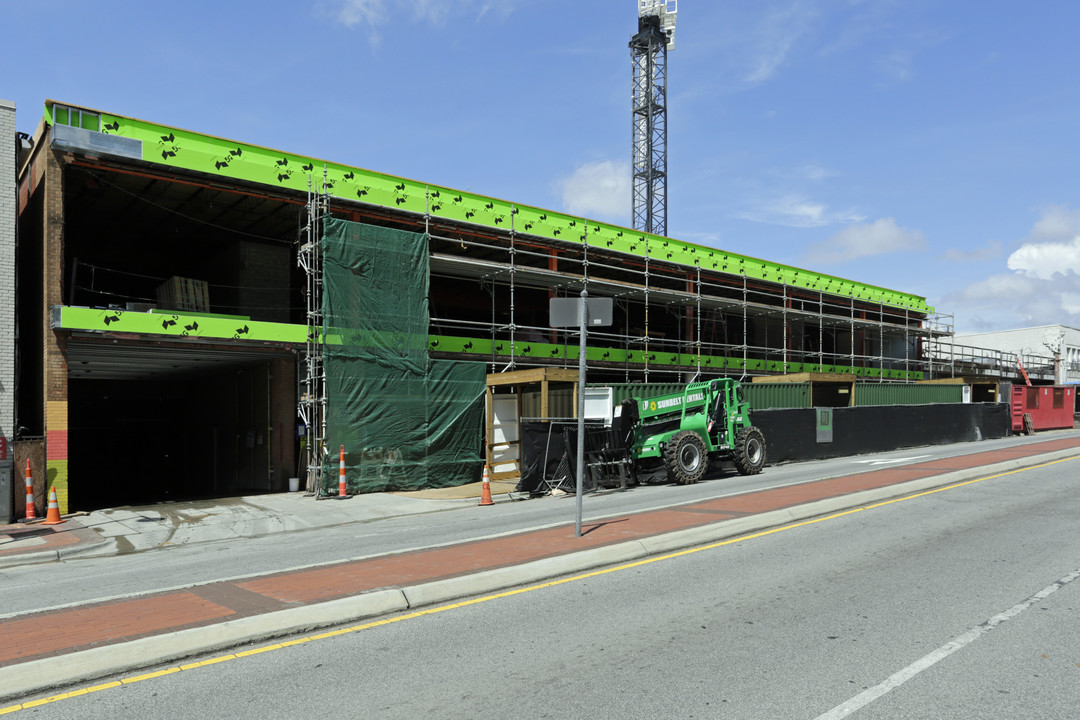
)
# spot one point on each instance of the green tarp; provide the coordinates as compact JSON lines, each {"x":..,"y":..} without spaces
{"x":406,"y":422}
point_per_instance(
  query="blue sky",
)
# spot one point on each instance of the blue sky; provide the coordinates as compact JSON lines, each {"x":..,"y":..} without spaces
{"x":926,"y":146}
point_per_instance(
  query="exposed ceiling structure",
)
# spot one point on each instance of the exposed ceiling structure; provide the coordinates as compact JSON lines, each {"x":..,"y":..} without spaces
{"x":95,"y":357}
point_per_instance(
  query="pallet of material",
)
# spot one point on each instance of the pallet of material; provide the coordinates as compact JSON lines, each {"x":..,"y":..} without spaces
{"x":180,"y":293}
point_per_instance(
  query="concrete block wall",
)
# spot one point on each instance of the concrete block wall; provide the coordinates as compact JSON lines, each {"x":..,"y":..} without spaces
{"x":264,"y":281}
{"x":7,"y":272}
{"x":252,"y":279}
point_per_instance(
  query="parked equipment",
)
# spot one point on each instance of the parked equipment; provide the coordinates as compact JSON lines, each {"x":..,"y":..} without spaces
{"x":708,"y":421}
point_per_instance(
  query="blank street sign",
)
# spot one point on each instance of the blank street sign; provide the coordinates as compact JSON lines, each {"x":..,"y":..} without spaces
{"x":564,"y":312}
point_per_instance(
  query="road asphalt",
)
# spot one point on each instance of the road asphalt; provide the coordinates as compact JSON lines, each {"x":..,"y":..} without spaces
{"x":76,"y":644}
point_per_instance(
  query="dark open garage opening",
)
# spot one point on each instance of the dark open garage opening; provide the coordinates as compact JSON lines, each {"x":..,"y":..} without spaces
{"x":151,"y":424}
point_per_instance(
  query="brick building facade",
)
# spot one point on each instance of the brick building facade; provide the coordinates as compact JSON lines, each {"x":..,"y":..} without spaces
{"x":8,"y":154}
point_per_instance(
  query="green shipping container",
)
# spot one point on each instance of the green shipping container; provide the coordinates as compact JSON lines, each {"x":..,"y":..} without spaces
{"x":761,"y":396}
{"x":777,"y":396}
{"x":906,"y":394}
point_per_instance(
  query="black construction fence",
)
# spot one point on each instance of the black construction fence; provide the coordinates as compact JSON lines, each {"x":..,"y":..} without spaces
{"x":792,"y":435}
{"x":549,"y":449}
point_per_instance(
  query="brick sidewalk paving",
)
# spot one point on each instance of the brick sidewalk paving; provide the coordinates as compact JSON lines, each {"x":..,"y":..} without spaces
{"x":59,"y":632}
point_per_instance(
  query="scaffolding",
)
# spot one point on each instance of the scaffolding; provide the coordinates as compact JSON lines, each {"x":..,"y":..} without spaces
{"x":311,"y":395}
{"x":674,"y":322}
{"x":756,"y":327}
{"x":945,"y":359}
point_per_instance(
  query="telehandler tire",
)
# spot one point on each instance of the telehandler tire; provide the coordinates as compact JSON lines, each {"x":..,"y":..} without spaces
{"x":686,"y":458}
{"x":749,"y":453}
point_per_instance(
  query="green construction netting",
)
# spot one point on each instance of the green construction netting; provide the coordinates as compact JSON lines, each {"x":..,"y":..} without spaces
{"x":406,"y":422}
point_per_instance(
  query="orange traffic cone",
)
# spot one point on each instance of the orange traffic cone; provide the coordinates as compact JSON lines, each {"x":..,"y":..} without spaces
{"x":31,"y":513}
{"x":485,"y":495}
{"x":53,"y":516}
{"x":341,"y":492}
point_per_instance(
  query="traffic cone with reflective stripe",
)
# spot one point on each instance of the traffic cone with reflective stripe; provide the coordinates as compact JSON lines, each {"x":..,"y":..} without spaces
{"x":485,"y":495}
{"x":341,"y":492}
{"x":31,"y":513}
{"x":52,"y":517}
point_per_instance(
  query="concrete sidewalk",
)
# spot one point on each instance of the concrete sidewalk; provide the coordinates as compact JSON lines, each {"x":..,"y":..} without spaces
{"x":75,"y":644}
{"x":134,"y":529}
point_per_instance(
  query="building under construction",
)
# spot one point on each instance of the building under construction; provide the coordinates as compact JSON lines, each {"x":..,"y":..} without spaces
{"x":177,"y":305}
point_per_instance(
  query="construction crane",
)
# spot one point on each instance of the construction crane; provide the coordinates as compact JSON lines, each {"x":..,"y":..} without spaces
{"x":648,"y":50}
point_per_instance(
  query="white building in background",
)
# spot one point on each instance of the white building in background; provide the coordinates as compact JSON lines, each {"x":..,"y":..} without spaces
{"x":1060,"y":342}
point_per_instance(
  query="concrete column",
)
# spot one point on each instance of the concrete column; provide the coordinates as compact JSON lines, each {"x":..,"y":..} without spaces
{"x":283,"y":423}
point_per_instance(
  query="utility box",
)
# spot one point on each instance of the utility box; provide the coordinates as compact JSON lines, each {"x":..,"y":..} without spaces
{"x":824,"y":424}
{"x":7,"y":497}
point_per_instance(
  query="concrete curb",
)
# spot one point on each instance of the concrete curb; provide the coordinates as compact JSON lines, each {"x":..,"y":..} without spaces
{"x":88,"y":548}
{"x":100,"y":662}
{"x":29,"y":558}
{"x":60,"y":553}
{"x":501,"y":578}
{"x":39,"y":675}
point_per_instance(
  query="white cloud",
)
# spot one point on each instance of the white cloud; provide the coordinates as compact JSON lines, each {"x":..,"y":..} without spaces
{"x":864,"y":240}
{"x":991,"y":251}
{"x":373,"y":13}
{"x":1056,"y":224}
{"x":797,"y":211}
{"x":1052,"y":247}
{"x":1043,"y":287}
{"x":804,"y":173}
{"x":1045,"y":260}
{"x":598,"y":190}
{"x":774,"y":40}
{"x":1070,"y":302}
{"x":365,"y":12}
{"x":377,"y":12}
{"x":1012,"y":300}
{"x":815,"y":173}
{"x":432,"y":11}
{"x":898,"y":65}
{"x":498,"y":7}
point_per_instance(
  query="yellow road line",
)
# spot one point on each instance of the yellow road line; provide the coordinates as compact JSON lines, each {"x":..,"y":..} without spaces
{"x":505,"y":594}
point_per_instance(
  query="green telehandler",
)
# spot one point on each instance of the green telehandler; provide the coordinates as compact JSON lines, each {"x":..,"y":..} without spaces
{"x":685,"y":431}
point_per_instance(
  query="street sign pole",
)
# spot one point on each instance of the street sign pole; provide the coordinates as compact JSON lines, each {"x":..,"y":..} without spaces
{"x":583,"y":314}
{"x":567,"y":312}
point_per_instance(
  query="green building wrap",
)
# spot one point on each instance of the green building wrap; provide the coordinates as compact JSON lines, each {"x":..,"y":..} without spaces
{"x":405,"y":422}
{"x":186,"y":150}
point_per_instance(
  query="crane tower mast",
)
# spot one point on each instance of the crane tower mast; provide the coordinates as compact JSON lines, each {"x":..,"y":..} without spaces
{"x":648,"y":50}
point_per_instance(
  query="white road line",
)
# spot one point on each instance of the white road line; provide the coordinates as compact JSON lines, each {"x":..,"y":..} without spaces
{"x":896,"y":680}
{"x":891,"y":461}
